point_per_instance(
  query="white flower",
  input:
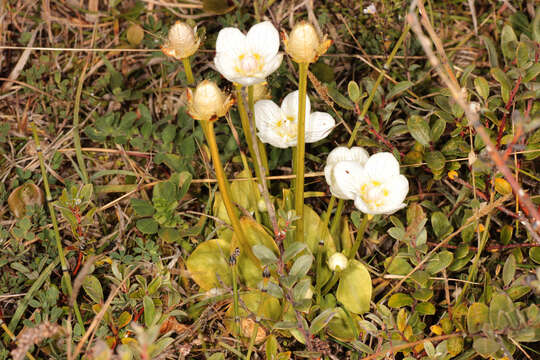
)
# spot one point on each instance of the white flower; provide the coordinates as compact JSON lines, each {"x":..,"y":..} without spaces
{"x":248,"y":59}
{"x":376,"y":185}
{"x":279,"y":127}
{"x":371,"y":9}
{"x":337,"y":262}
{"x":341,"y":166}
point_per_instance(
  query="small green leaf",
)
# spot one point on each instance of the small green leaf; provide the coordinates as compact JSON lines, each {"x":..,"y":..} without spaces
{"x":399,"y":88}
{"x":147,"y":226}
{"x":354,"y":91}
{"x":425,"y":308}
{"x":435,"y":161}
{"x":508,"y":42}
{"x":149,"y":311}
{"x":532,"y":72}
{"x":439,"y":125}
{"x":503,"y":80}
{"x":93,"y":288}
{"x":439,"y":262}
{"x":534,"y":254}
{"x":264,"y":254}
{"x":354,"y":289}
{"x":211,"y":254}
{"x":477,"y":316}
{"x":492,"y":51}
{"x":339,"y":98}
{"x":522,"y":55}
{"x":419,"y":129}
{"x":292,"y":250}
{"x":482,"y":87}
{"x":441,"y":225}
{"x":322,"y":320}
{"x":423,"y":294}
{"x":301,"y":266}
{"x":485,"y":346}
{"x":509,"y":270}
{"x":399,"y":300}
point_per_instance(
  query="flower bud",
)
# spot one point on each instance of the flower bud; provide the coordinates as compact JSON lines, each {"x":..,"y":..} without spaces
{"x":337,"y":262}
{"x":208,"y":102}
{"x":182,"y":41}
{"x":261,"y":205}
{"x":261,"y":92}
{"x":304,"y":45}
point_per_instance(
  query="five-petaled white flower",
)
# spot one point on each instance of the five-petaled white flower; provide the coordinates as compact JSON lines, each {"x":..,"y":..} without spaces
{"x":248,"y":59}
{"x":279,"y":126}
{"x":375,"y":184}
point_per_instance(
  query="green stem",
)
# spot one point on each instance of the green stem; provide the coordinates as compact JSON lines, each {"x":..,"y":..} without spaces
{"x":359,"y":236}
{"x":236,"y":319}
{"x":482,"y":240}
{"x":262,"y":149}
{"x":300,"y":152}
{"x":247,"y":130}
{"x":65,"y":273}
{"x":365,"y":108}
{"x":76,"y":137}
{"x":335,"y":277}
{"x":337,"y":216}
{"x":187,"y":69}
{"x":224,"y":188}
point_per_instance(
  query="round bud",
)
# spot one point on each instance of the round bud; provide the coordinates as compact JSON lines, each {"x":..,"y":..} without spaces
{"x":261,"y":205}
{"x":303,"y":43}
{"x":208,"y":102}
{"x":337,"y":262}
{"x":182,"y":41}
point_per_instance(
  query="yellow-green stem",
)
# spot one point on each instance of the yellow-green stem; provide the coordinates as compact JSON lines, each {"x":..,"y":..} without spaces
{"x":359,"y":236}
{"x":300,"y":152}
{"x":365,"y":108}
{"x":187,"y":69}
{"x":76,"y":137}
{"x":65,"y":272}
{"x":236,"y":314}
{"x":262,"y":149}
{"x":247,"y":130}
{"x":224,"y":188}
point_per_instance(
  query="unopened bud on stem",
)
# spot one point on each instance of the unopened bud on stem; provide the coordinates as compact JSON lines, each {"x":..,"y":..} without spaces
{"x":208,"y":102}
{"x":304,"y":45}
{"x":182,"y":42}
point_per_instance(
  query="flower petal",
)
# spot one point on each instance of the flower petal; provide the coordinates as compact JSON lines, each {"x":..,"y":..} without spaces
{"x":272,"y":64}
{"x":248,"y":80}
{"x":346,"y":178}
{"x":267,"y":114}
{"x":319,"y":126}
{"x":341,"y":153}
{"x":398,"y":188}
{"x":263,"y":39}
{"x":289,"y":106}
{"x":225,"y":64}
{"x":362,"y":206}
{"x":382,"y":166}
{"x":231,"y":40}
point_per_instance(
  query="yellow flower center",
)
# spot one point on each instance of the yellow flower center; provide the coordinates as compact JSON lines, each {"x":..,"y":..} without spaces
{"x":374,"y":194}
{"x":249,"y":64}
{"x":286,"y":128}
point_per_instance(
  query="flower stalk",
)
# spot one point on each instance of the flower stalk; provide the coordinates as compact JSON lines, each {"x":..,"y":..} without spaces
{"x":262,"y":149}
{"x":300,"y":152}
{"x":65,"y":273}
{"x":244,"y":119}
{"x":188,"y":71}
{"x":224,"y":188}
